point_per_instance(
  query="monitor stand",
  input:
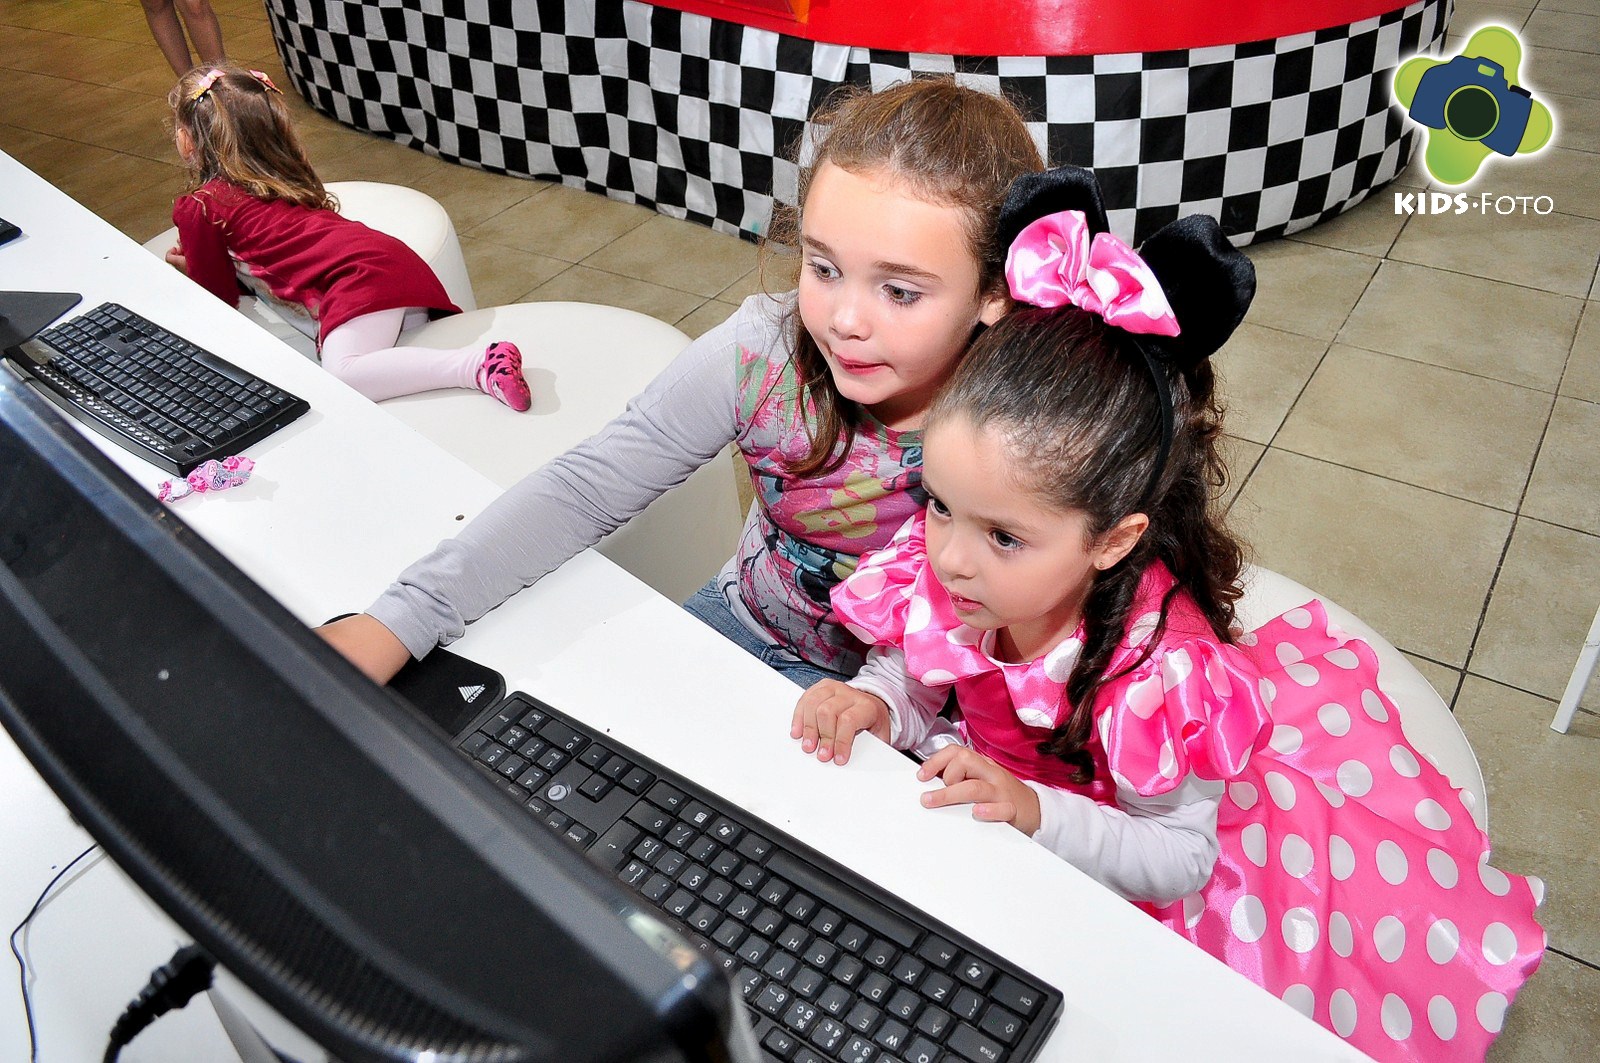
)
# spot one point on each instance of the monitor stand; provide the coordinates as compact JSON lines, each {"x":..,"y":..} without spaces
{"x":25,"y":314}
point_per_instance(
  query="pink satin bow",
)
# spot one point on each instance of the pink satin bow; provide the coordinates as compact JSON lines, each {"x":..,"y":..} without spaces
{"x":1053,"y":262}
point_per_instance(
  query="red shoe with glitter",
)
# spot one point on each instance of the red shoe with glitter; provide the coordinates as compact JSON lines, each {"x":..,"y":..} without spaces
{"x":501,"y":376}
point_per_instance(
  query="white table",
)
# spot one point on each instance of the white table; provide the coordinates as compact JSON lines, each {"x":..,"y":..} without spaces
{"x":341,"y":501}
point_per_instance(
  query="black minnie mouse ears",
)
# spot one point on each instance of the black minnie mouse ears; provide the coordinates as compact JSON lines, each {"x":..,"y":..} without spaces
{"x":1208,"y":282}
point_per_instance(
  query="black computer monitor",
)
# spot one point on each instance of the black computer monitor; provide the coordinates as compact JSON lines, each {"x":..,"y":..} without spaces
{"x":317,"y":836}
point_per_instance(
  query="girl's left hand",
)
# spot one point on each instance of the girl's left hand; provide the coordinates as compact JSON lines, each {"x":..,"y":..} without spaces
{"x":970,"y":778}
{"x":176,"y":259}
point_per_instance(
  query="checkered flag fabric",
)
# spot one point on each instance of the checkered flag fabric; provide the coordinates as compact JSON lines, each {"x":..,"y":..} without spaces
{"x":696,"y":116}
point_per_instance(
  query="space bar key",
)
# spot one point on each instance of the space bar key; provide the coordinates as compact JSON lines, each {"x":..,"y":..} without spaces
{"x":824,"y":887}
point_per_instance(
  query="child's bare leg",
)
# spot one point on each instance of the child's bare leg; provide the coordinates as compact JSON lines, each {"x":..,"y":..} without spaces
{"x":205,"y":32}
{"x":162,"y":18}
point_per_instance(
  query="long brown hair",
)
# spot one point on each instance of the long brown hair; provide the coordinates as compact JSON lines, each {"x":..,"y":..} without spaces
{"x":242,"y":133}
{"x":950,"y":145}
{"x":1076,"y":405}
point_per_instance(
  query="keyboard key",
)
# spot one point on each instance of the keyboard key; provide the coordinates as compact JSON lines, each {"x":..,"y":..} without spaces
{"x":595,"y":755}
{"x":800,"y":907}
{"x":637,"y":781}
{"x":835,"y":999}
{"x":1014,"y":995}
{"x":663,"y":795}
{"x":966,"y":1003}
{"x":975,"y":972}
{"x":939,"y":952}
{"x":801,"y":1016}
{"x":923,"y":1050}
{"x":938,"y":987}
{"x":1001,"y":1024}
{"x":934,"y":1021}
{"x":974,"y":1045}
{"x":863,"y":1017}
{"x":829,"y":1034}
{"x":880,"y":953}
{"x":615,"y":844}
{"x":649,"y":817}
{"x":892,"y":1035}
{"x":904,"y":1004}
{"x":857,"y":1050}
{"x":755,"y":847}
{"x":908,"y":970}
{"x":780,"y":965}
{"x":696,"y":815}
{"x":780,"y":1042}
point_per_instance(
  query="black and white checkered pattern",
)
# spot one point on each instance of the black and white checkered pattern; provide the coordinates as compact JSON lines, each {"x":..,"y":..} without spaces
{"x":696,"y":116}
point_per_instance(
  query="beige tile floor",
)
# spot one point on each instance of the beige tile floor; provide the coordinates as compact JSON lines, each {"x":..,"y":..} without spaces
{"x":1415,"y":399}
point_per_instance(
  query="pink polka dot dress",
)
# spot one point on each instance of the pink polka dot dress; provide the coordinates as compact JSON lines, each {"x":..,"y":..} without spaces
{"x":1351,"y":882}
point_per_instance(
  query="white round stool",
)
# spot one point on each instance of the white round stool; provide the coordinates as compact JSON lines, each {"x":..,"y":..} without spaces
{"x":414,"y":218}
{"x":583,"y":363}
{"x":1427,"y":721}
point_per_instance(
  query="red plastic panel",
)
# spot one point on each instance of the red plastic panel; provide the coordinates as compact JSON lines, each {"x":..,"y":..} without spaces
{"x":1039,"y":27}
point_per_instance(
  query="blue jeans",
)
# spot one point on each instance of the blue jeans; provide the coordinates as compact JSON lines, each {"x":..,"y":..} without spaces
{"x":710,"y":607}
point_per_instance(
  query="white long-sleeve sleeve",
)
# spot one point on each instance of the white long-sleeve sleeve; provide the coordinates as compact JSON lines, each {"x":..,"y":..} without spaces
{"x":914,"y":720}
{"x":1156,"y":849}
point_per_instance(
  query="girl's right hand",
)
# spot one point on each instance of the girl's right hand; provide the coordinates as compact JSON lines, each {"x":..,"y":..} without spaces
{"x":830,"y":715}
{"x":176,"y":259}
{"x":368,"y":645}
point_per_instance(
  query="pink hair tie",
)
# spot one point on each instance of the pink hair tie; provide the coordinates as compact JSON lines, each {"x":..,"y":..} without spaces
{"x":1053,"y":262}
{"x":208,"y":476}
{"x":261,"y":77}
{"x":203,"y":86}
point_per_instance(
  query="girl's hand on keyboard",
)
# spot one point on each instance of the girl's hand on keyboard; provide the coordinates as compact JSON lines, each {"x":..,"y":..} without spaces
{"x":829,"y":716}
{"x":970,"y":778}
{"x":368,"y":645}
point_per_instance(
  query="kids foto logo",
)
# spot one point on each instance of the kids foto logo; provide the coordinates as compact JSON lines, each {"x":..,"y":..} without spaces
{"x":1473,"y":106}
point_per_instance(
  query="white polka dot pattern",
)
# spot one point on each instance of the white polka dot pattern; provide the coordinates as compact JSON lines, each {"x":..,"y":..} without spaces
{"x":1442,"y":1018}
{"x":1443,"y":941}
{"x":1249,"y":919}
{"x":1351,"y":881}
{"x":1396,"y":1018}
{"x":1389,"y":938}
{"x":1300,"y":930}
{"x":1335,"y":719}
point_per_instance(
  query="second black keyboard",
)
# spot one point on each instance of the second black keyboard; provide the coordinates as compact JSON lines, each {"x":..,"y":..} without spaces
{"x":833,"y":968}
{"x":171,"y":402}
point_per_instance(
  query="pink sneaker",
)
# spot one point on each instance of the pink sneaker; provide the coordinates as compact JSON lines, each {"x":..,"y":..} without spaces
{"x":501,"y":376}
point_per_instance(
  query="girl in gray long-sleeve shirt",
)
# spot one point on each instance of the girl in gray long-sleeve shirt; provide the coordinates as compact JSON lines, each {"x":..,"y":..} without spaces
{"x":823,"y":389}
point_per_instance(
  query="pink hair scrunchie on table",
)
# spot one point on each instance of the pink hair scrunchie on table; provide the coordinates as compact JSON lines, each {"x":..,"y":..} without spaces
{"x":209,"y":476}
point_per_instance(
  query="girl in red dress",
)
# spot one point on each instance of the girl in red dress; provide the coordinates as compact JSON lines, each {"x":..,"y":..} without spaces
{"x":255,"y":206}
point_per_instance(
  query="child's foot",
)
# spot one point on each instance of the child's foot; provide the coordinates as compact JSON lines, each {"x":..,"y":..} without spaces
{"x":501,"y":376}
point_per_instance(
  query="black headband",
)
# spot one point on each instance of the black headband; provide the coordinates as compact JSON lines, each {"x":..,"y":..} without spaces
{"x":1208,"y":283}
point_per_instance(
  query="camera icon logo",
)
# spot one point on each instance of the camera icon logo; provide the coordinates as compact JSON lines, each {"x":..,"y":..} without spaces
{"x":1472,"y":105}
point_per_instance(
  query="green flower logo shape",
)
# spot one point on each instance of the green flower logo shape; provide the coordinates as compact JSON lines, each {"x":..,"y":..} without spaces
{"x":1472,"y":105}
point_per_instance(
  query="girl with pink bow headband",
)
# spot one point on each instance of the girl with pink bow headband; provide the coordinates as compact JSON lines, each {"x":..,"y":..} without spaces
{"x":1073,"y":584}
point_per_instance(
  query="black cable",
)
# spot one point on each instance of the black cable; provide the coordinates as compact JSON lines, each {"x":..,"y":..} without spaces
{"x":171,"y":986}
{"x":22,"y":965}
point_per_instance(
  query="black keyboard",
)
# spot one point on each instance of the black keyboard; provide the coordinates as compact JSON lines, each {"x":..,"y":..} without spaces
{"x":153,"y":392}
{"x":833,"y":968}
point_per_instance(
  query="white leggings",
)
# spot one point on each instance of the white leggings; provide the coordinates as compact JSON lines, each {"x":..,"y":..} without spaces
{"x":361,"y":352}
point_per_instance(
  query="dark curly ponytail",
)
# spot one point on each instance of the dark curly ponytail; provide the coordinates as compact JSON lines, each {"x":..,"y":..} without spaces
{"x":1077,"y":406}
